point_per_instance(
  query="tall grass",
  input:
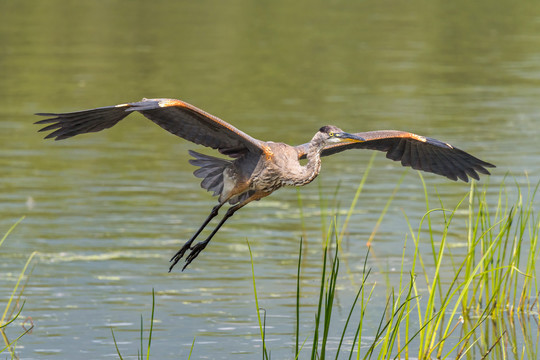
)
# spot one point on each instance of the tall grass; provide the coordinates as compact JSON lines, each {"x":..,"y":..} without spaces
{"x":140,"y":351}
{"x":479,"y":304}
{"x":13,"y":307}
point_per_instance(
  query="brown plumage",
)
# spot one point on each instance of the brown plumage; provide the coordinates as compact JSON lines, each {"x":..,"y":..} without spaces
{"x":257,"y":168}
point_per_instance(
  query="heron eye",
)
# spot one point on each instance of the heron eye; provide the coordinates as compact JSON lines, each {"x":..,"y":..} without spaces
{"x":331,"y":133}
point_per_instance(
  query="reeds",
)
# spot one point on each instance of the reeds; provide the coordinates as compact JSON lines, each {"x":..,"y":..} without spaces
{"x":140,"y":352}
{"x":14,"y":307}
{"x":485,"y":307}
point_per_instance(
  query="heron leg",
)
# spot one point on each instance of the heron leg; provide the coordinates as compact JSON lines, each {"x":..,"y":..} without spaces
{"x":199,"y":247}
{"x":188,"y":243}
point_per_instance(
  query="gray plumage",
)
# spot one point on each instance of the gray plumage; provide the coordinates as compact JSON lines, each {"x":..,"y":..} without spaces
{"x":257,"y":168}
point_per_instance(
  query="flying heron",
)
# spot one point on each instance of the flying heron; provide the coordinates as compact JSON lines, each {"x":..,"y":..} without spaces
{"x":256,"y":168}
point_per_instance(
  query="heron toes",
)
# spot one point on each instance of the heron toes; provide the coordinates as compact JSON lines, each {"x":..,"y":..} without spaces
{"x":176,"y":258}
{"x":195,"y":251}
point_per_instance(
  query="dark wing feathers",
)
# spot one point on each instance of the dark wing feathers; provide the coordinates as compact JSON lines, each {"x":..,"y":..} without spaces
{"x":70,"y":124}
{"x":418,"y":152}
{"x":175,"y":116}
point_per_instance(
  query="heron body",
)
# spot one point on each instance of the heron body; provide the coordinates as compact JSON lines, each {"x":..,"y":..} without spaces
{"x":254,"y":168}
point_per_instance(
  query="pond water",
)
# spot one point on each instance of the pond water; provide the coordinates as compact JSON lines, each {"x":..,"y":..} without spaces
{"x":106,"y":211}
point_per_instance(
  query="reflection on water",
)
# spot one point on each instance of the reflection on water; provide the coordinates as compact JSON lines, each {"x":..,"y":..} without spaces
{"x":106,"y":211}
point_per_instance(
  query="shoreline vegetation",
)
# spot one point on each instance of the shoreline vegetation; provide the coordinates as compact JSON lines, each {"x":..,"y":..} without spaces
{"x":487,"y":310}
{"x":484,"y":307}
{"x":14,"y":307}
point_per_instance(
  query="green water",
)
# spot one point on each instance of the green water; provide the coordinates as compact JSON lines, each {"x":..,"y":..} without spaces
{"x":106,"y":211}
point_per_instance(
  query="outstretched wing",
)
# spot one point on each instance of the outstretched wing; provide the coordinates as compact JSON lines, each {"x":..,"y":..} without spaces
{"x":175,"y":116}
{"x":418,"y":152}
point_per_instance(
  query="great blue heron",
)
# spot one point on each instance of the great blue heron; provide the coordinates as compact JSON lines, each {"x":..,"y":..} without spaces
{"x":257,"y":168}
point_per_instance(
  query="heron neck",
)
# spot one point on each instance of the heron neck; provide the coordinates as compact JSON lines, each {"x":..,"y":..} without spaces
{"x":313,"y":166}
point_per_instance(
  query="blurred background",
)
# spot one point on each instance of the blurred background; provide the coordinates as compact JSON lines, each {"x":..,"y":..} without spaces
{"x":106,"y":211}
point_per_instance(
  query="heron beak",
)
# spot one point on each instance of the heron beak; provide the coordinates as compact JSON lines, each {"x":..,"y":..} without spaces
{"x":346,"y":137}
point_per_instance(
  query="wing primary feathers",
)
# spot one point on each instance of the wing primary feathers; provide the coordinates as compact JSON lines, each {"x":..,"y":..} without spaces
{"x":468,"y":165}
{"x":440,"y":159}
{"x":447,"y":166}
{"x":80,"y":122}
{"x":426,"y":162}
{"x":50,"y":127}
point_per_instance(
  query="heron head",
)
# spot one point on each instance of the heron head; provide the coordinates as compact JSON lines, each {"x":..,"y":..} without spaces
{"x":336,"y":135}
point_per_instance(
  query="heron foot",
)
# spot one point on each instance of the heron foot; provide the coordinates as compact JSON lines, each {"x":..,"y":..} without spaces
{"x":195,"y":251}
{"x":176,"y":258}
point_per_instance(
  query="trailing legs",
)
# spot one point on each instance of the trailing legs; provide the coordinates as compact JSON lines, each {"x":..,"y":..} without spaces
{"x":188,"y":243}
{"x":199,"y":247}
